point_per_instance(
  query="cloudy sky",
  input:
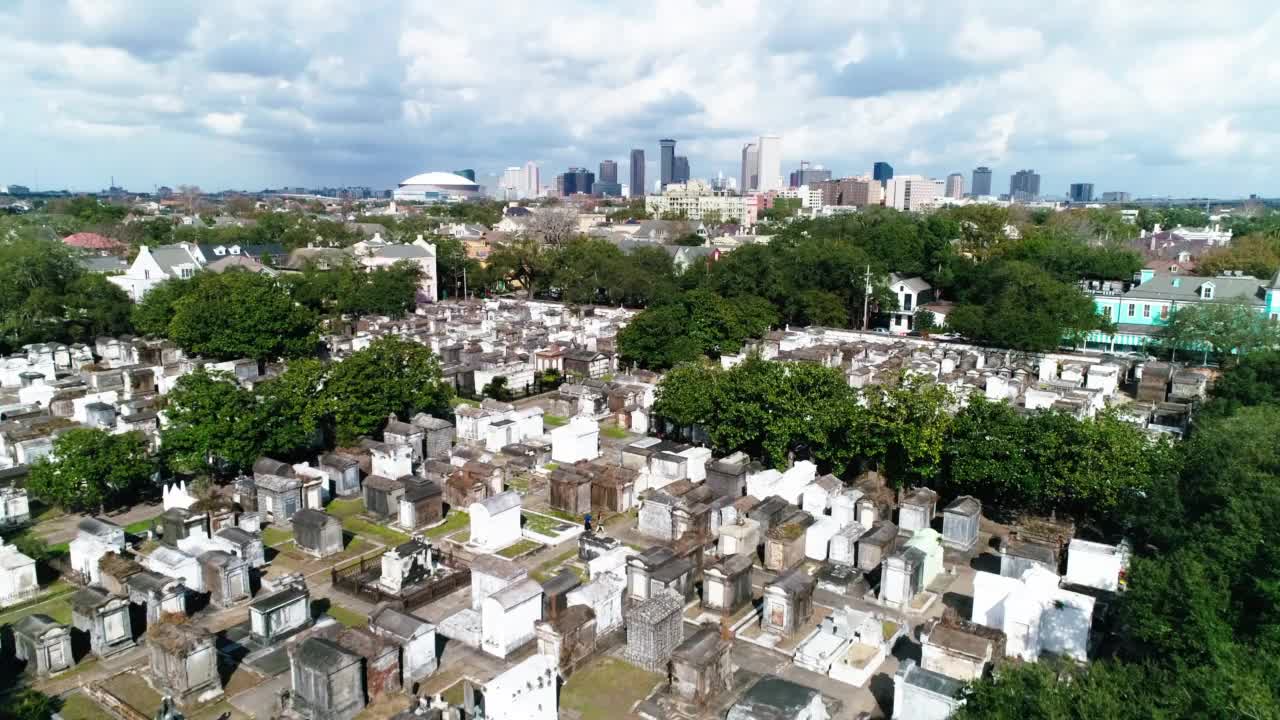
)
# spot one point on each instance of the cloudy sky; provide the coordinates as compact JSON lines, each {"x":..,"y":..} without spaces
{"x":1155,"y":97}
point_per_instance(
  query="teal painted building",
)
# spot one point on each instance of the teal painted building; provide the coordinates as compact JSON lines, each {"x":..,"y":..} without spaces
{"x":1140,"y":309}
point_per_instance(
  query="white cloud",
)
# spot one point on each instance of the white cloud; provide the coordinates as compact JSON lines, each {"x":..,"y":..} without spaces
{"x":224,"y":123}
{"x":932,"y":88}
{"x":979,"y":41}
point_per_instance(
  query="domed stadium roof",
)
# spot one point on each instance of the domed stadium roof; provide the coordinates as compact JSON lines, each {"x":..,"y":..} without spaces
{"x":440,"y":179}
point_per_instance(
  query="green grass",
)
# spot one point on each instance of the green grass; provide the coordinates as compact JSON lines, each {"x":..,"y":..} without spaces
{"x":550,"y":420}
{"x":273,"y":536}
{"x":606,"y":688}
{"x":79,"y":706}
{"x":455,"y":522}
{"x":614,"y":432}
{"x":518,"y":549}
{"x":543,"y":571}
{"x":456,"y":401}
{"x":461,"y":536}
{"x":380,"y":533}
{"x":566,"y":516}
{"x":135,"y":692}
{"x":453,"y":695}
{"x":348,"y":618}
{"x":43,"y":513}
{"x":541,"y":524}
{"x":519,"y":484}
{"x":141,"y":526}
{"x":53,"y":601}
{"x":551,"y":466}
{"x":343,"y":509}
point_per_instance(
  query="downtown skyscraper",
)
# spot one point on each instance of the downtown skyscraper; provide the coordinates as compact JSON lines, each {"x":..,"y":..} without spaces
{"x":667,"y":158}
{"x":981,"y":181}
{"x":637,"y":172}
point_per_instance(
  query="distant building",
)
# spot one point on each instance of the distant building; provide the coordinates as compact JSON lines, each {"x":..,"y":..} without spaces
{"x":769,"y":163}
{"x":981,"y":181}
{"x":696,"y":200}
{"x":1114,"y":196}
{"x":853,"y":192}
{"x":750,"y":161}
{"x":530,"y":181}
{"x":882,"y":171}
{"x":607,"y":185}
{"x":912,"y":192}
{"x":1024,"y":185}
{"x":1081,"y":192}
{"x":575,"y":180}
{"x":434,"y":187}
{"x":680,"y":169}
{"x":809,"y":175}
{"x":667,"y":158}
{"x":608,"y":171}
{"x":637,"y":171}
{"x":955,"y":186}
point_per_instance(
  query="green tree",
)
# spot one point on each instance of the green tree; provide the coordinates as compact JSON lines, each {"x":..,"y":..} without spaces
{"x":695,"y":323}
{"x":242,"y":315}
{"x":29,"y":704}
{"x":212,"y":424}
{"x":292,"y":409}
{"x":497,"y":389}
{"x":906,"y":427}
{"x":1016,"y":305}
{"x":392,"y":375}
{"x":1227,"y":329}
{"x":152,"y":315}
{"x":524,"y":261}
{"x":384,"y":291}
{"x":90,"y":469}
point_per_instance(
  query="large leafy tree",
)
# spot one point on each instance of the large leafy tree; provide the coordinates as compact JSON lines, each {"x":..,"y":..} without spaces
{"x":905,"y":428}
{"x":292,"y":409}
{"x":1228,"y":330}
{"x":693,"y":324}
{"x":45,"y":295}
{"x":1017,"y":305}
{"x":392,"y":375}
{"x":239,"y":314}
{"x":90,"y":469}
{"x":212,"y":424}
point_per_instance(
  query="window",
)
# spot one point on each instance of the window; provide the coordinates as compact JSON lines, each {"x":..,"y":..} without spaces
{"x":1131,"y":309}
{"x":1206,"y":291}
{"x":1164,"y":312}
{"x":1106,"y":312}
{"x":906,"y":301}
{"x":1146,"y":311}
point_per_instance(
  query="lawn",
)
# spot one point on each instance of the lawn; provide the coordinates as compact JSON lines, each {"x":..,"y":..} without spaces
{"x":566,"y":516}
{"x":79,"y":706}
{"x":456,"y":521}
{"x":520,"y":548}
{"x":519,"y":483}
{"x":542,"y":524}
{"x":344,"y":509}
{"x":54,"y":601}
{"x":273,"y":536}
{"x":459,"y":402}
{"x":550,"y":467}
{"x":606,"y":688}
{"x":349,"y":618}
{"x":614,"y":432}
{"x":554,"y":420}
{"x":383,"y":534}
{"x":141,"y":526}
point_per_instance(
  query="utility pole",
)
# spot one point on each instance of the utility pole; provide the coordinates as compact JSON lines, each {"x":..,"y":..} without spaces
{"x":866,"y":298}
{"x":464,"y":282}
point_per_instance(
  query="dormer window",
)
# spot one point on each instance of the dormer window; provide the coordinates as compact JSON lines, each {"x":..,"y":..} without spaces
{"x":1206,"y":291}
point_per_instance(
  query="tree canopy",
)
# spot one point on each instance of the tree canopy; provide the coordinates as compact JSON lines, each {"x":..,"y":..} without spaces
{"x":392,"y":375}
{"x":237,"y":314}
{"x":91,"y":469}
{"x":1014,"y":304}
{"x":691,"y":325}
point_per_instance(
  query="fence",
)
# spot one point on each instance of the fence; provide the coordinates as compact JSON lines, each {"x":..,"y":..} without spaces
{"x":359,"y":578}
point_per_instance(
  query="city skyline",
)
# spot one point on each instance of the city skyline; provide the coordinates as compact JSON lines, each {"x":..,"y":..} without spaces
{"x":271,"y":94}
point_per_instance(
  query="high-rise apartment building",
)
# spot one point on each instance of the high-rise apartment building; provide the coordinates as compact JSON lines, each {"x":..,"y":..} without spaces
{"x":750,"y":163}
{"x":608,"y":171}
{"x":1024,"y":185}
{"x":1081,"y":192}
{"x":955,"y":186}
{"x":769,"y":163}
{"x":511,"y":184}
{"x":680,"y":169}
{"x":882,"y":171}
{"x":637,"y":172}
{"x":667,"y":156}
{"x":1115,"y":196}
{"x":981,"y":181}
